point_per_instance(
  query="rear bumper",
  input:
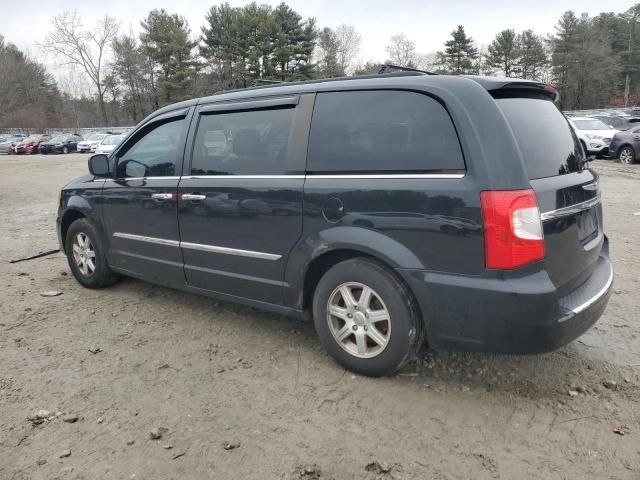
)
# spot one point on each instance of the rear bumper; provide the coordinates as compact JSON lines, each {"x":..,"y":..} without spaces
{"x":512,"y":316}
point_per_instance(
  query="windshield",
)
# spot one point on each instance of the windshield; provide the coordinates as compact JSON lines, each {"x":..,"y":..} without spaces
{"x":590,"y":124}
{"x":548,"y":144}
{"x":96,"y":136}
{"x":112,"y":140}
{"x":31,"y":138}
{"x":58,"y":139}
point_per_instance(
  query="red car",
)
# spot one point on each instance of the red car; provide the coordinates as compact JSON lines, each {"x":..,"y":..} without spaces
{"x":29,"y":145}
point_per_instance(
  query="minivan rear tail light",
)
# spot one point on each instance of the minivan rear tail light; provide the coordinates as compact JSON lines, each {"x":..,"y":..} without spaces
{"x":512,"y":228}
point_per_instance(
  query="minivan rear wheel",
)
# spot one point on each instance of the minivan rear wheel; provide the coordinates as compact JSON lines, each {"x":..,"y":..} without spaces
{"x":627,"y":155}
{"x":366,"y":318}
{"x":87,"y":257}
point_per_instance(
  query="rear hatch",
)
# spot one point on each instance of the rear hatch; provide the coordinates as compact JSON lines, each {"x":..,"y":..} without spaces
{"x":568,"y":193}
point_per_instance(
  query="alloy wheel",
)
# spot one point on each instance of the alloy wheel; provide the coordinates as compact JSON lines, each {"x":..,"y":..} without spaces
{"x":626,"y":155}
{"x":84,"y":255}
{"x":359,"y":320}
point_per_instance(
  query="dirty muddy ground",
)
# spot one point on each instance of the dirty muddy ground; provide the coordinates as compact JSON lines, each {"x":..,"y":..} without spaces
{"x":234,"y":393}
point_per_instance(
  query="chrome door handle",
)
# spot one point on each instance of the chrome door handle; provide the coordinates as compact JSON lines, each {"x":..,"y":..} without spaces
{"x":162,"y":196}
{"x":192,"y":196}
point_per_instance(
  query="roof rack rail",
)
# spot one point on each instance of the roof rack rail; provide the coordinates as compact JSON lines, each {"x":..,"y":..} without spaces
{"x":387,"y":67}
{"x":258,"y":82}
{"x":282,"y":83}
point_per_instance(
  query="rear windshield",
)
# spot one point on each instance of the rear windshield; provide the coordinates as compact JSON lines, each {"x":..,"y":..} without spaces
{"x":547,"y":142}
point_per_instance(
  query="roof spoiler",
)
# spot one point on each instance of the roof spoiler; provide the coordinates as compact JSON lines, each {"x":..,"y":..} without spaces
{"x":516,"y":89}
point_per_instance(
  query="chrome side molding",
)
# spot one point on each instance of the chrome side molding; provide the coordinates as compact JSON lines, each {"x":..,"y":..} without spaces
{"x":142,"y":238}
{"x":199,"y":246}
{"x":230,"y":251}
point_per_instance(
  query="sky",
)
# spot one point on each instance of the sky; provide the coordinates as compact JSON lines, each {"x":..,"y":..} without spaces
{"x":427,"y":23}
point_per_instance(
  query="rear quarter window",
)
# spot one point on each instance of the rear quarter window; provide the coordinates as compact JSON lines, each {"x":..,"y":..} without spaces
{"x":381,"y":131}
{"x":547,"y":142}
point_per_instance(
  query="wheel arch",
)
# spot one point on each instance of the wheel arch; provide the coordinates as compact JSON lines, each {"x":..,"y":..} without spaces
{"x":315,"y":255}
{"x":68,"y":218}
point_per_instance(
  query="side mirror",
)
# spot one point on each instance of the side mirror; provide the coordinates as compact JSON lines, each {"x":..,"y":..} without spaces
{"x":99,"y":165}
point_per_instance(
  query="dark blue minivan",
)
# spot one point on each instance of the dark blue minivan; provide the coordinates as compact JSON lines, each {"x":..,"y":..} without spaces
{"x":391,"y":209}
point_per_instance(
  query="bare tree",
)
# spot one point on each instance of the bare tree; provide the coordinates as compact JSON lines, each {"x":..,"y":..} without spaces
{"x":85,"y":49}
{"x":427,"y":61}
{"x":402,"y":51}
{"x":348,"y":40}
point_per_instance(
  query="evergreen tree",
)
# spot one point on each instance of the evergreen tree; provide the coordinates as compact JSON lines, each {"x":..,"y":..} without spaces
{"x":220,"y":44}
{"x":293,"y":42}
{"x":504,"y":53}
{"x":583,"y":63}
{"x":328,"y":52}
{"x":533,"y":56}
{"x":130,"y":68}
{"x":459,"y":53}
{"x":165,"y":39}
{"x":28,"y":93}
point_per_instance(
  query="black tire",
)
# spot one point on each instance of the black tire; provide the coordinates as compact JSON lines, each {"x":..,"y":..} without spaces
{"x":628,"y":149}
{"x":405,"y":322}
{"x":65,"y":150}
{"x":102,"y":276}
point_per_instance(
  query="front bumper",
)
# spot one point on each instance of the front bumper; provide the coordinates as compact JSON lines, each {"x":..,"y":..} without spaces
{"x":47,"y":149}
{"x":512,"y":316}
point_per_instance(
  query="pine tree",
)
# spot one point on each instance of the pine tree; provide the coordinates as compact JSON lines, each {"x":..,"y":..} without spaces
{"x":459,"y":54}
{"x":293,"y":42}
{"x":165,"y":39}
{"x":504,"y":53}
{"x":328,"y":52}
{"x":533,"y":56}
{"x":583,"y":63}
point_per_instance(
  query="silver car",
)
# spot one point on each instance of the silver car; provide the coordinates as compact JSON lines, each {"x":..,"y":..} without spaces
{"x":90,"y":143}
{"x":7,"y":140}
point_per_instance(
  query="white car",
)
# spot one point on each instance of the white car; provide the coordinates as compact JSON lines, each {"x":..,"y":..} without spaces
{"x":90,"y":143}
{"x":594,"y":134}
{"x":109,"y":143}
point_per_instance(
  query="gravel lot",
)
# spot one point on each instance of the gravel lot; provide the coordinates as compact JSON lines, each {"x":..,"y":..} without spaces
{"x":210,"y":375}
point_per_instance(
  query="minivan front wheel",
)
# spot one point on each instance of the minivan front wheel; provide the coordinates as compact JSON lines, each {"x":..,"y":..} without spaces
{"x":366,"y":318}
{"x":627,"y":155}
{"x":86,"y":256}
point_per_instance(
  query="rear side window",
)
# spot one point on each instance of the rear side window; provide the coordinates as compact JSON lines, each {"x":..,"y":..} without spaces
{"x":547,"y":142}
{"x":381,"y":131}
{"x":243,"y":143}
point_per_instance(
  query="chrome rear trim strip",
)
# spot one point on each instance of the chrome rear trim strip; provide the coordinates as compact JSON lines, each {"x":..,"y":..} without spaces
{"x":570,"y":210}
{"x":230,"y":251}
{"x":199,"y":246}
{"x":598,"y":295}
{"x":142,"y":238}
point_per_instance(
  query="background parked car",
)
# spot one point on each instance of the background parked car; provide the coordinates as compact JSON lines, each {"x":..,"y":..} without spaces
{"x":108,"y":143}
{"x":7,"y":141}
{"x":594,"y":135}
{"x":90,"y":143}
{"x":30,"y":144}
{"x":625,"y":146}
{"x":60,"y":144}
{"x":619,"y":122}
